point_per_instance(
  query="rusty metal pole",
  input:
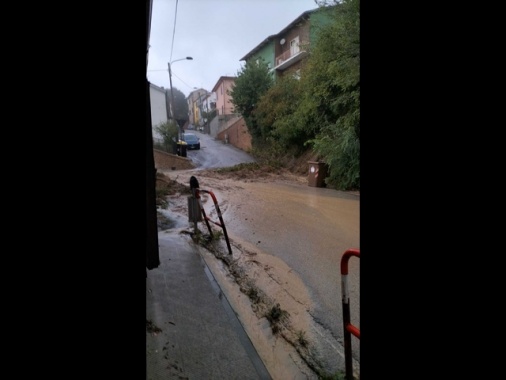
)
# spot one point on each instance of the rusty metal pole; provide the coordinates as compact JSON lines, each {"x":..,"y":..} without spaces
{"x":205,"y":217}
{"x":221,"y":223}
{"x":194,"y":196}
{"x":194,"y":187}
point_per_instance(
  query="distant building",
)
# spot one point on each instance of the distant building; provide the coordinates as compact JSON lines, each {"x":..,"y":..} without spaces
{"x":195,"y":101}
{"x":228,"y":126}
{"x":284,"y":54}
{"x":224,"y":105}
{"x":159,"y":112}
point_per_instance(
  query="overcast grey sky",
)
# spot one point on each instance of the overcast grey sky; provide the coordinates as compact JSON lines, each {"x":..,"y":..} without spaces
{"x":216,"y":33}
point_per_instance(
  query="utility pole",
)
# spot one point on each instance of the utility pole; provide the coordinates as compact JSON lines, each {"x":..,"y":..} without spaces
{"x":172,"y":109}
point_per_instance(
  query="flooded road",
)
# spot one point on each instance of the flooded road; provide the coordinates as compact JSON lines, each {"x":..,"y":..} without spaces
{"x":309,"y":228}
{"x":216,"y":154}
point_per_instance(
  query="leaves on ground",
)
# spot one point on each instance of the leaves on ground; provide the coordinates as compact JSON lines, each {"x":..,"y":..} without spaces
{"x":151,"y":327}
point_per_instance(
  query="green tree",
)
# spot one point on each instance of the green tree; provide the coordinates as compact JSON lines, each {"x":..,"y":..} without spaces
{"x":253,"y":80}
{"x":331,"y":88}
{"x":180,"y":105}
{"x":169,"y":132}
{"x":276,"y":115}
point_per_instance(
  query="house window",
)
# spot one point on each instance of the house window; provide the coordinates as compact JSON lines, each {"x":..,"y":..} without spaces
{"x":294,"y":46}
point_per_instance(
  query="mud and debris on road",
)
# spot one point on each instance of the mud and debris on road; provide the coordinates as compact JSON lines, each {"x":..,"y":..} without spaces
{"x":259,"y":284}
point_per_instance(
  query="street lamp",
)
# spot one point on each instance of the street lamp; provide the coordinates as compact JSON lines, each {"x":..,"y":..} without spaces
{"x":173,"y":114}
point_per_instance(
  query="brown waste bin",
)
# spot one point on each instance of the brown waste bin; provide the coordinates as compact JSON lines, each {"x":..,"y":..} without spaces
{"x":317,"y":173}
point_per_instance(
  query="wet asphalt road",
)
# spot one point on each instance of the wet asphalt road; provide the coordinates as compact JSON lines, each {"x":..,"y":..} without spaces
{"x":215,"y":154}
{"x":309,"y":228}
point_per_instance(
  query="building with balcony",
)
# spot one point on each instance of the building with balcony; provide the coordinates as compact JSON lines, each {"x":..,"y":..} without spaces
{"x":285,"y":51}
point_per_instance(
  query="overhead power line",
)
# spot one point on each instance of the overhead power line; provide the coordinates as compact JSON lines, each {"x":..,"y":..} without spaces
{"x":173,"y":32}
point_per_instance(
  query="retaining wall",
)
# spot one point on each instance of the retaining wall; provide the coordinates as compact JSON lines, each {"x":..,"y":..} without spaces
{"x":168,"y":161}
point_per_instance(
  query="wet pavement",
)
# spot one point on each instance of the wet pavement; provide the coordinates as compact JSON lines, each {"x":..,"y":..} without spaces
{"x":191,"y":330}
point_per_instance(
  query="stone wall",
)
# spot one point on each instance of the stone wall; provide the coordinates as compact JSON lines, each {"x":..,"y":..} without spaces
{"x":168,"y":161}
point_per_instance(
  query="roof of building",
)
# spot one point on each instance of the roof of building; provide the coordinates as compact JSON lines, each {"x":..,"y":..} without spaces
{"x":222,"y":79}
{"x":154,"y":86}
{"x":303,"y":16}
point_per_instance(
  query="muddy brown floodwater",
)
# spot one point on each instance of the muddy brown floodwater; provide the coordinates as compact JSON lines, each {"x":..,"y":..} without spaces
{"x":289,"y":238}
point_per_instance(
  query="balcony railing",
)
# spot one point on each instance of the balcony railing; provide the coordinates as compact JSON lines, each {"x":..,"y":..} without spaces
{"x":289,"y":57}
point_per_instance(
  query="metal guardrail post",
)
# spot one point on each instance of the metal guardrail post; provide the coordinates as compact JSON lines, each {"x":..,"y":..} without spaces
{"x":194,"y":186}
{"x":194,"y":202}
{"x":348,"y":327}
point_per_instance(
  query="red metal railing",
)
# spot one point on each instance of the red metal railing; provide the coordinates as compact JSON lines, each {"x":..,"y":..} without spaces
{"x":221,"y":223}
{"x":349,"y":329}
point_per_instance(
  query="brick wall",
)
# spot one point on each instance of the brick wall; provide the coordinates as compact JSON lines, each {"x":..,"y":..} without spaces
{"x":238,"y":135}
